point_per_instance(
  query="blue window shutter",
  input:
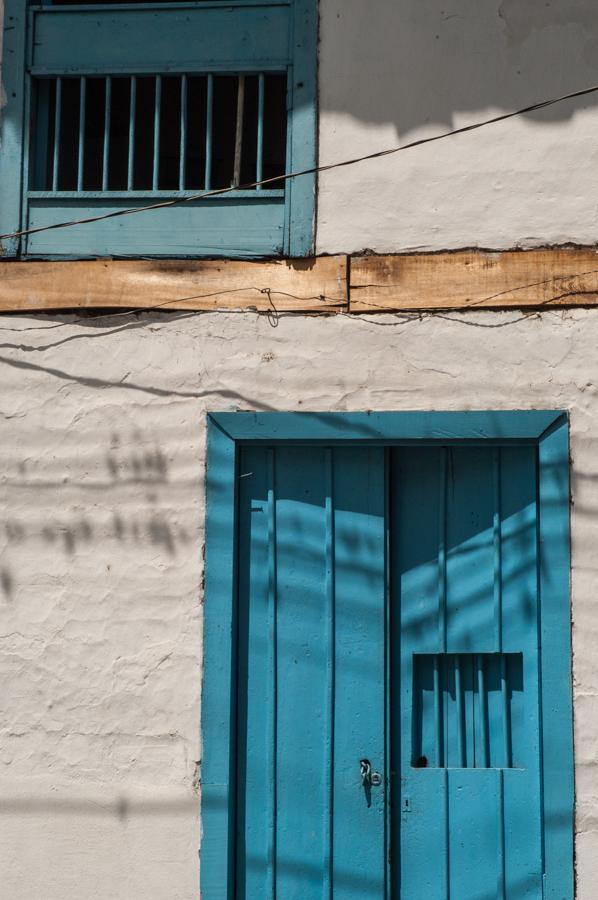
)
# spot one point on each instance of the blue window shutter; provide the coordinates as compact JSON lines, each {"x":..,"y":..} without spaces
{"x":264,"y":39}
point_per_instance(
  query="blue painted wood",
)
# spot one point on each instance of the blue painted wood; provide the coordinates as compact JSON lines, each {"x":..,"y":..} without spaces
{"x":417,"y":823}
{"x":256,"y":661}
{"x":554,"y":572}
{"x":301,"y":155}
{"x":106,"y":141}
{"x":311,"y":674}
{"x":183,"y":134}
{"x":302,"y":795}
{"x":166,"y":39}
{"x":522,"y":783}
{"x":470,"y":828}
{"x":132,"y":130}
{"x":496,"y":812}
{"x":266,"y":36}
{"x":57,"y":134}
{"x":359,"y":845}
{"x":259,"y":166}
{"x":12,"y":121}
{"x":391,"y":427}
{"x":213,"y":228}
{"x":209,"y":131}
{"x":218,"y":703}
{"x":81,"y":147}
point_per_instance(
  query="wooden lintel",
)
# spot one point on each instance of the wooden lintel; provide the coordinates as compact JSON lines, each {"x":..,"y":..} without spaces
{"x":326,"y":284}
{"x":306,"y":285}
{"x":474,"y":280}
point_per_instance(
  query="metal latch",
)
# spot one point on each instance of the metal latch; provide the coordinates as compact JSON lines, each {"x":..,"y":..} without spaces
{"x":369,"y":778}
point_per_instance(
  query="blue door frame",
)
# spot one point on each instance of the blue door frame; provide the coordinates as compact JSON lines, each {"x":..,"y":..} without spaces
{"x":227,"y":432}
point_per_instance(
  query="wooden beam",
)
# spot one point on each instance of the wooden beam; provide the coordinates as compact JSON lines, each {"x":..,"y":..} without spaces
{"x":305,"y":285}
{"x":474,"y":280}
{"x":422,"y":281}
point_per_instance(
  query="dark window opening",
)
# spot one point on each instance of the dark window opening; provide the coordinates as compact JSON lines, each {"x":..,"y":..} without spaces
{"x":171,"y":132}
{"x":468,"y":710}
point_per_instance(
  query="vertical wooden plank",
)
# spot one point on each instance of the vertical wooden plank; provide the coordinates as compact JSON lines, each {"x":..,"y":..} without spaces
{"x":499,"y":699}
{"x":57,"y":129}
{"x":500,"y":887}
{"x":470,"y":551}
{"x":259,"y":171}
{"x":419,"y":787}
{"x":442,"y":535}
{"x":239,"y":130}
{"x":473,"y":802}
{"x":445,"y":859}
{"x":81,"y":149}
{"x":41,"y":149}
{"x":300,"y":192}
{"x":460,"y":713}
{"x":272,"y":685}
{"x":107,"y":120}
{"x":359,"y":851}
{"x":209,"y":131}
{"x":438,"y":712}
{"x":474,"y":834}
{"x":157,"y":118}
{"x":556,"y":661}
{"x":256,"y":782}
{"x":329,"y":721}
{"x":506,"y":713}
{"x":183,"y":134}
{"x":301,"y":663}
{"x":483,"y":757}
{"x":423,"y":751}
{"x":390,"y":695}
{"x":468,"y":678}
{"x":497,"y":547}
{"x":521,"y":784}
{"x":132,"y":130}
{"x":219,"y":689}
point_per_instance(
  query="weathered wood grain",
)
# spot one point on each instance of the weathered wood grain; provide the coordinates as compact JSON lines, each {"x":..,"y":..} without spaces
{"x":304,"y":285}
{"x":435,"y":281}
{"x":472,"y":280}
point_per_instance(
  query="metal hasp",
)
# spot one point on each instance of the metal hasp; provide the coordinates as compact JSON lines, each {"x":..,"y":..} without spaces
{"x":369,"y":778}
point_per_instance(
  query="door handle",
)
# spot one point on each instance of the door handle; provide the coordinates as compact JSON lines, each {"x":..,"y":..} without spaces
{"x":369,"y":778}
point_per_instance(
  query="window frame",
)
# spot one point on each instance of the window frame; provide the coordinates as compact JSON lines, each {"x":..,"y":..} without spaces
{"x":548,"y":430}
{"x":300,"y":193}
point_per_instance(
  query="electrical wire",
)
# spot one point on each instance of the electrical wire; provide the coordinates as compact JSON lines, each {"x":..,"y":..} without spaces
{"x":313,"y":170}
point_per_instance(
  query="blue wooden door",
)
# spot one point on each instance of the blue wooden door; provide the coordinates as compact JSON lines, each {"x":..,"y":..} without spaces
{"x":467,"y":816}
{"x":441,"y":543}
{"x":311,"y":678}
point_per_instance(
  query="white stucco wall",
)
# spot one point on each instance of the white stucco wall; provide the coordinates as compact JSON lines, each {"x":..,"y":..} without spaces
{"x":102,"y":467}
{"x":394,"y":71}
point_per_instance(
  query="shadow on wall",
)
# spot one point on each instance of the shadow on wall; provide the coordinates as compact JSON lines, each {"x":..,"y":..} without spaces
{"x":151,"y":523}
{"x":412,"y":64}
{"x":122,"y":807}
